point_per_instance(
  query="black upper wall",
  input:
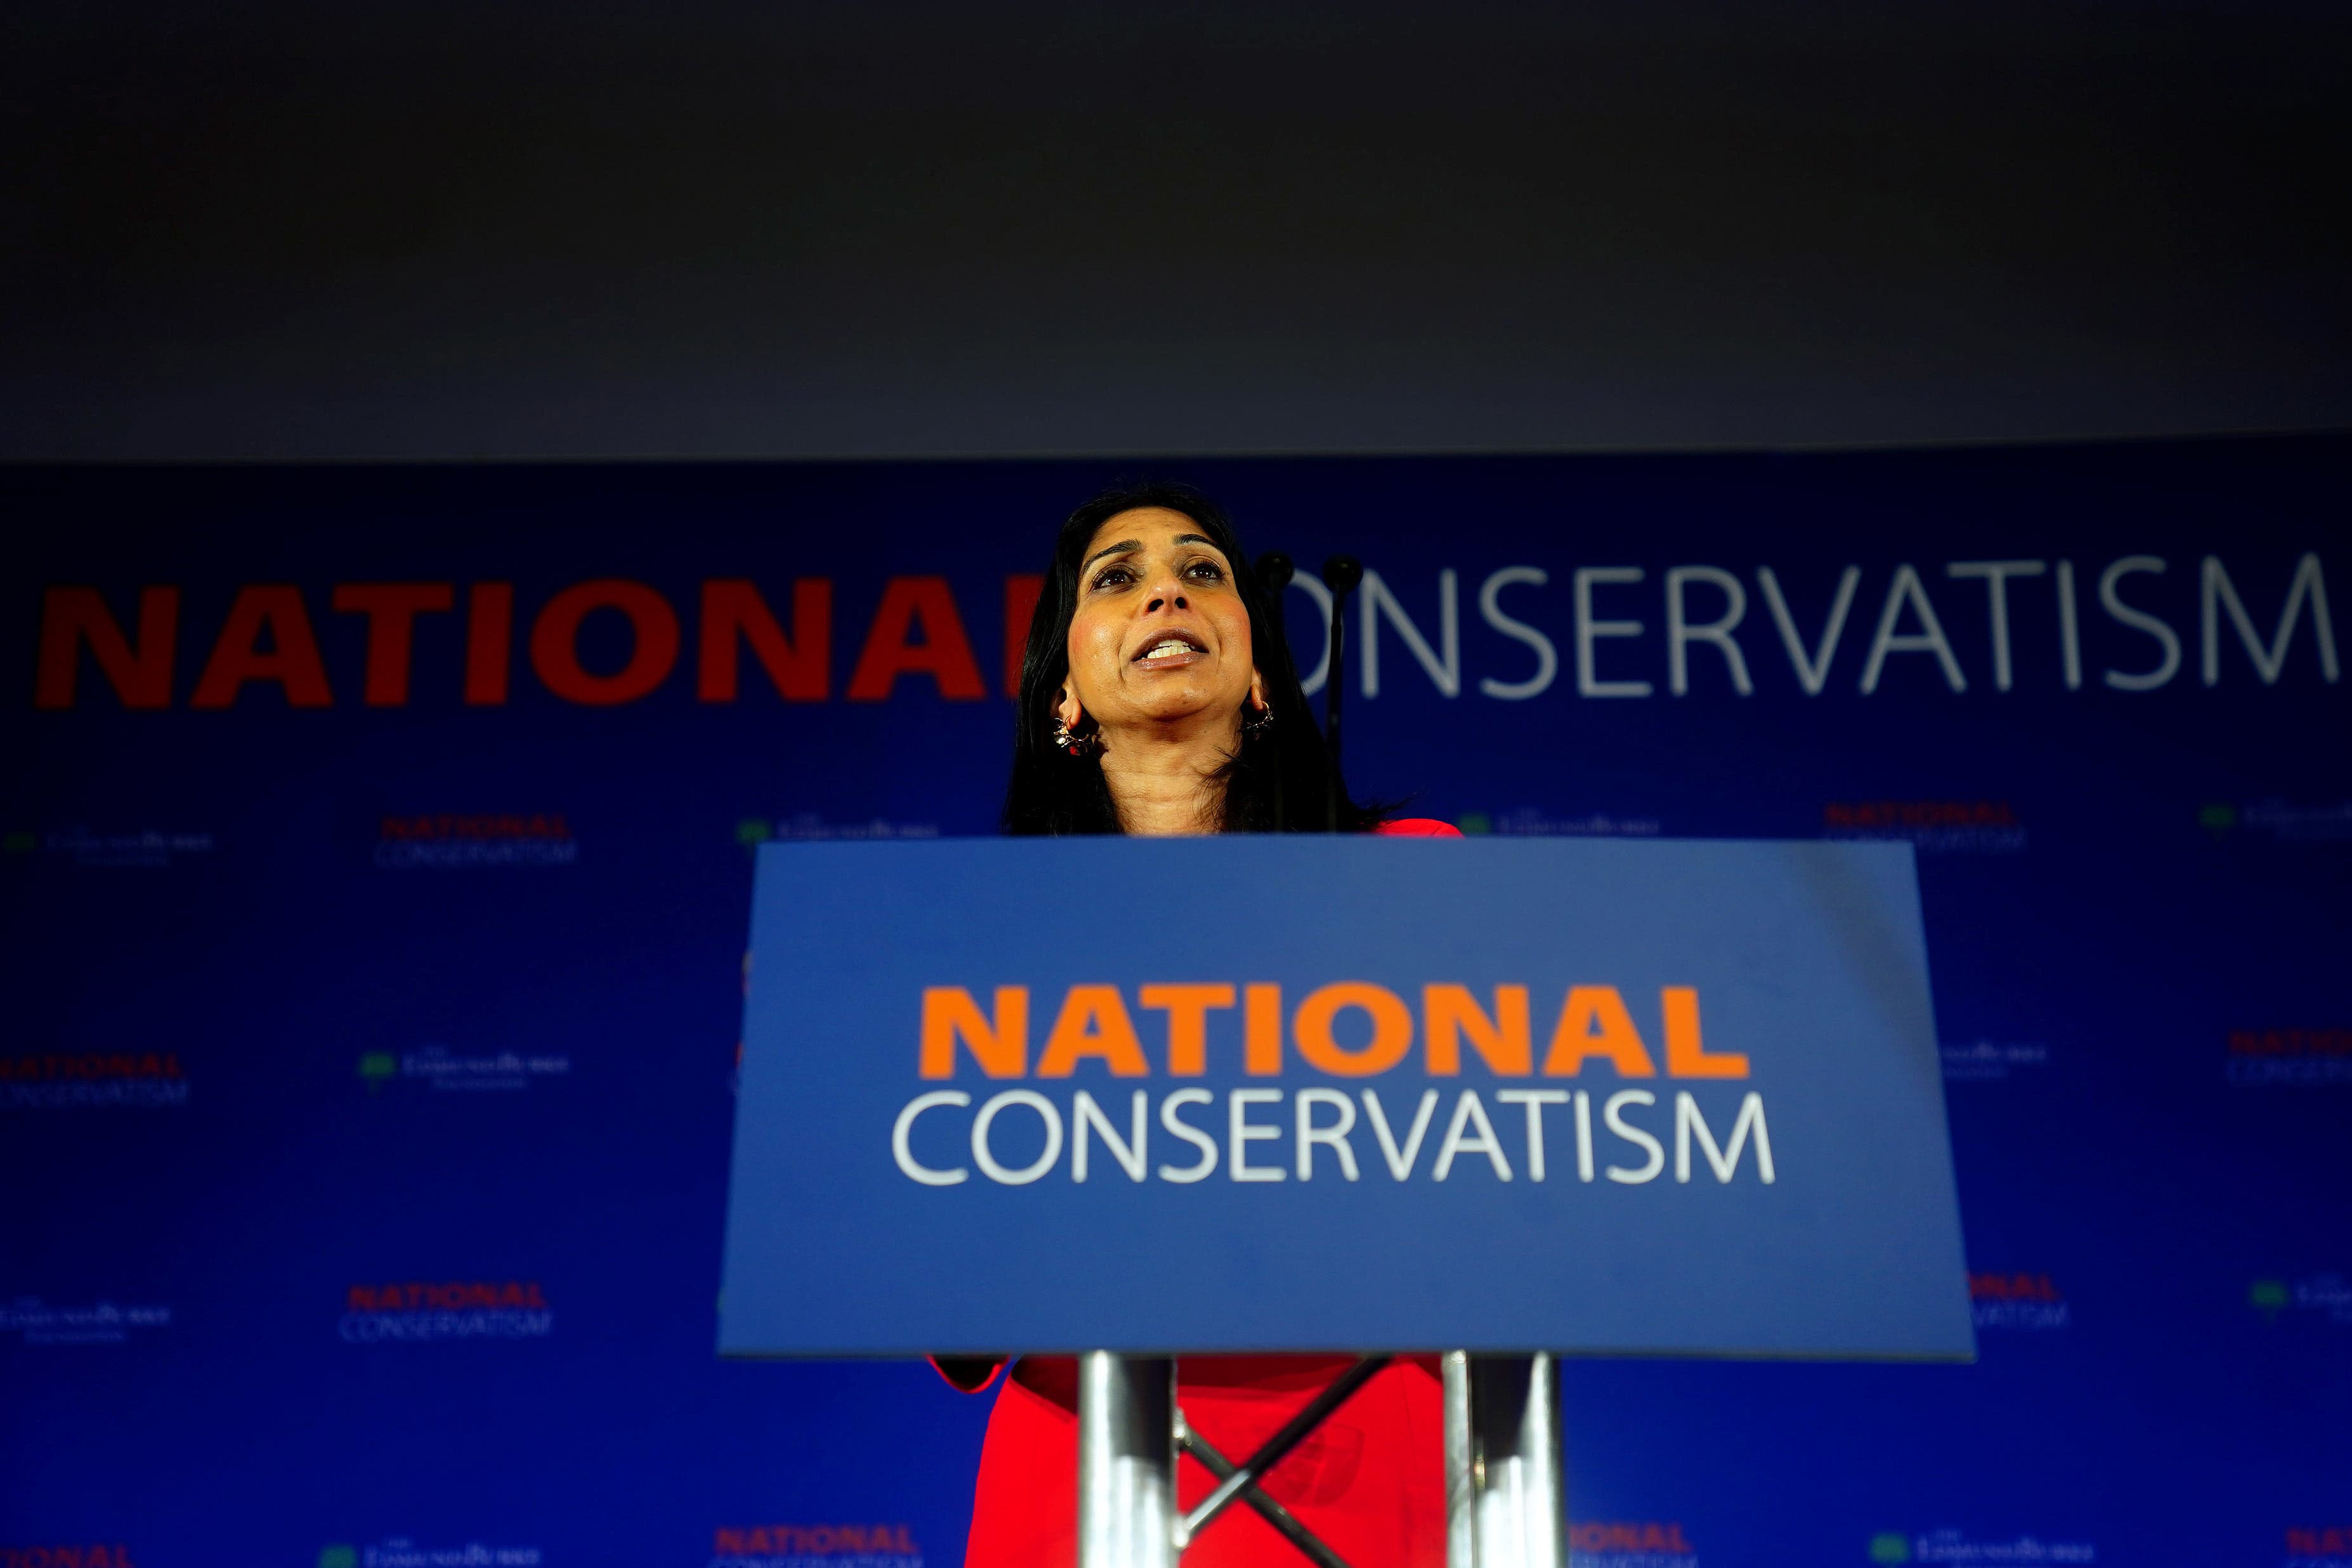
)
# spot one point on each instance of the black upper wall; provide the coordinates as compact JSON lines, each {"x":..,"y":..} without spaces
{"x":546,"y":230}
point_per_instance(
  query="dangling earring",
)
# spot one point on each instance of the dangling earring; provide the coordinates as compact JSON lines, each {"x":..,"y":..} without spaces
{"x":1071,"y":744}
{"x":1258,"y":724}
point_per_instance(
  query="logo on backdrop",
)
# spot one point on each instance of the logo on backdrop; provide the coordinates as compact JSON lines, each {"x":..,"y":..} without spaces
{"x":72,"y":1554}
{"x":815,"y":1546}
{"x":2289,"y":1059}
{"x":807,"y":826}
{"x":137,"y":849}
{"x":62,"y":1080}
{"x":446,"y":841}
{"x":419,"y":1311}
{"x":442,"y":1068}
{"x":1893,"y":1547}
{"x":2024,"y":1301}
{"x":403,"y":1551}
{"x":2275,"y":819}
{"x":1528,"y":822}
{"x":1631,"y":634}
{"x":2316,"y":1297}
{"x":1992,"y":1061}
{"x":2318,"y":1546}
{"x":1622,"y":1543}
{"x":1620,"y":1134}
{"x":95,"y":1323}
{"x":1933,"y":826}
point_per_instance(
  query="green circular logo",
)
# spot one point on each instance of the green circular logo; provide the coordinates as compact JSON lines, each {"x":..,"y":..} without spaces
{"x":1889,"y":1547}
{"x":2217,"y":818}
{"x":1475,"y":822}
{"x":338,"y":1556}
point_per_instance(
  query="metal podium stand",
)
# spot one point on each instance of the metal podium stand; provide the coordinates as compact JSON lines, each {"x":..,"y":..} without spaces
{"x":1505,"y":1499}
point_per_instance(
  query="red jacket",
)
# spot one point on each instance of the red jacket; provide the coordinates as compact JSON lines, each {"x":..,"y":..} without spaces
{"x":1371,"y":1480}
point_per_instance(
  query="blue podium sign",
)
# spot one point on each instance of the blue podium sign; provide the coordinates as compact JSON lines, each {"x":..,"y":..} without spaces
{"x":1348,"y":1094}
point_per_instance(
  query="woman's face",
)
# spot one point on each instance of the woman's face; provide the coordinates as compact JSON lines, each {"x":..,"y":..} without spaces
{"x":1160,"y":632}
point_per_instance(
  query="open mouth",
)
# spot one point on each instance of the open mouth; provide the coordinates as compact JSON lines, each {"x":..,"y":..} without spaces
{"x":1171,"y":648}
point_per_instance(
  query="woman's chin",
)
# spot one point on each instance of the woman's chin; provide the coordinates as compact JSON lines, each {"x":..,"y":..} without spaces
{"x":1175,"y":710}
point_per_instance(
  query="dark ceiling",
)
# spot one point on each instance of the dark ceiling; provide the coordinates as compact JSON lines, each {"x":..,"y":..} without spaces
{"x":837,"y":229}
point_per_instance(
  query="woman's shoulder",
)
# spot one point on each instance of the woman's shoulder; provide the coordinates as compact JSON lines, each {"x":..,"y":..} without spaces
{"x":1417,"y":827}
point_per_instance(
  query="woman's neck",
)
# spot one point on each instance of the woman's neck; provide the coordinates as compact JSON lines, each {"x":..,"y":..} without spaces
{"x":1165,"y":780}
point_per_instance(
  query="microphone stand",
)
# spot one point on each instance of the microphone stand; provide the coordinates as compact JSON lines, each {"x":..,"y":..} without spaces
{"x":1340,"y":575}
{"x":1274,"y":571}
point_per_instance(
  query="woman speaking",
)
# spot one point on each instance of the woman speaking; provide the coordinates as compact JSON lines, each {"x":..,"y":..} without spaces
{"x":1156,"y":700}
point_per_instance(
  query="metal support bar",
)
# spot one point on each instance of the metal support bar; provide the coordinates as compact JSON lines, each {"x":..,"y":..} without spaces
{"x":1461,"y":1472}
{"x":1276,"y":1446}
{"x":1340,"y":575}
{"x":1127,"y":1461}
{"x":1506,"y":1500}
{"x":1191,"y":1442}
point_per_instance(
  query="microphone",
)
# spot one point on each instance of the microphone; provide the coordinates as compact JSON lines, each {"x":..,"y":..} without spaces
{"x":1275,"y":572}
{"x":1341,"y":574}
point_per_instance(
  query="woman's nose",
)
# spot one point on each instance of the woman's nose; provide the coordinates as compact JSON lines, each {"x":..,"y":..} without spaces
{"x":1167,"y":595}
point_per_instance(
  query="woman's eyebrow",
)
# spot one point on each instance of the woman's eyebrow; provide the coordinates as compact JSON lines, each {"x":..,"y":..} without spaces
{"x":1125,"y":545}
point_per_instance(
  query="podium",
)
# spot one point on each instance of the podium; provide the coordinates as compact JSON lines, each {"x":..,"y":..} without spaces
{"x":1129,"y":1100}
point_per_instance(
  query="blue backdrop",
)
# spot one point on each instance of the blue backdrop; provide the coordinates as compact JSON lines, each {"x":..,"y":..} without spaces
{"x":377,"y":869}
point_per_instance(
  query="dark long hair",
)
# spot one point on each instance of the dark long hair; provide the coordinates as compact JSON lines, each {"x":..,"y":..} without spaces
{"x":1276,"y":782}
